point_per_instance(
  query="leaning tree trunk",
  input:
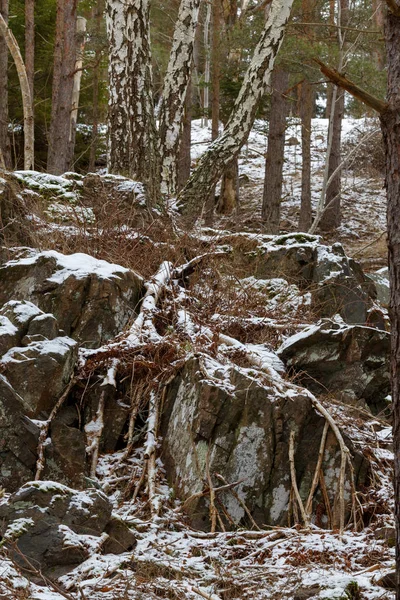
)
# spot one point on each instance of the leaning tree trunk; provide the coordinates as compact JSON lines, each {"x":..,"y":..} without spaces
{"x":76,"y":89}
{"x":59,"y":152}
{"x":175,"y":88}
{"x":13,"y":47}
{"x":227,"y":146}
{"x":132,"y":134}
{"x":5,"y":155}
{"x":306,"y":112}
{"x":272,"y":195}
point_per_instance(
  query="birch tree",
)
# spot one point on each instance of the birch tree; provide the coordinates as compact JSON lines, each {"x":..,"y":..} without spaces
{"x":15,"y":52}
{"x":133,"y":147}
{"x":227,"y":146}
{"x":4,"y":140}
{"x":176,"y":84}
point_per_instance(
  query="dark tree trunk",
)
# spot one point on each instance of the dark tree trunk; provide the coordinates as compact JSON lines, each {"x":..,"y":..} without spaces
{"x":273,"y":181}
{"x":184,"y":150}
{"x":390,"y":123}
{"x":30,"y":42}
{"x":229,"y":198}
{"x":331,"y":217}
{"x":306,"y":113}
{"x":58,"y":158}
{"x":4,"y":138}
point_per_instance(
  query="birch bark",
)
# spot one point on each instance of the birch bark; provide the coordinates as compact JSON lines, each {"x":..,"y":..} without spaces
{"x":227,"y":146}
{"x":133,"y":142}
{"x":176,"y":85}
{"x":4,"y":139}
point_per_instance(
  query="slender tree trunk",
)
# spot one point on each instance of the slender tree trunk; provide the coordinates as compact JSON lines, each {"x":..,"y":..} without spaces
{"x":227,"y":146}
{"x":390,"y":123}
{"x":174,"y":92}
{"x":98,"y":16}
{"x":206,"y":41}
{"x":184,"y":160}
{"x":133,"y":148}
{"x":59,"y":153}
{"x":4,"y":138}
{"x":331,"y":217}
{"x":76,"y":89}
{"x":272,"y":195}
{"x":229,"y":197}
{"x":306,"y":113}
{"x":30,"y":42}
{"x":216,"y":92}
{"x":25,"y":91}
{"x":378,"y":18}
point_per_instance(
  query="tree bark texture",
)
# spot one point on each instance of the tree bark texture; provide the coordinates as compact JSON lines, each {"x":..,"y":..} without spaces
{"x":98,"y":16}
{"x":4,"y":138}
{"x":174,"y":92}
{"x":15,"y":52}
{"x":184,"y":160}
{"x":132,"y":135}
{"x":272,"y":194}
{"x":76,"y":89}
{"x":229,"y":197}
{"x":221,"y":152}
{"x":390,"y":123}
{"x":59,"y":153}
{"x":30,"y":42}
{"x":306,"y":113}
{"x":331,"y":217}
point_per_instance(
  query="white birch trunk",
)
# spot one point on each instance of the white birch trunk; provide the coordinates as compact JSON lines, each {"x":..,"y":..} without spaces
{"x":227,"y":146}
{"x":25,"y":91}
{"x":176,"y":82}
{"x":132,"y":143}
{"x":81,"y":34}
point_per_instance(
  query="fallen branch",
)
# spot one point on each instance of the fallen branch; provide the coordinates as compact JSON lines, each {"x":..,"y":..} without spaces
{"x":213,"y":510}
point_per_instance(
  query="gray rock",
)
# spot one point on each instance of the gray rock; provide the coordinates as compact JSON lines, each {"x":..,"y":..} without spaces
{"x":53,"y":524}
{"x":244,"y":424}
{"x":91,"y":299}
{"x":337,"y":283}
{"x":350,"y":361}
{"x":381,"y":281}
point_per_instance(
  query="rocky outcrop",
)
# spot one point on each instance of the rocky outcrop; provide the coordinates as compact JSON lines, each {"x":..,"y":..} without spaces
{"x":92,"y":300}
{"x":337,"y":282}
{"x":243,"y":424}
{"x":53,"y":525}
{"x":352,"y":362}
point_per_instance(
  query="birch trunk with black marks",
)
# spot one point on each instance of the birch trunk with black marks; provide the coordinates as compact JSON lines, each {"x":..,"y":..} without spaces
{"x":184,"y":159}
{"x":15,"y":52}
{"x":221,"y":152}
{"x":98,"y":17}
{"x":175,"y":88}
{"x":4,"y":139}
{"x":272,"y":194}
{"x":133,"y":148}
{"x":59,"y":152}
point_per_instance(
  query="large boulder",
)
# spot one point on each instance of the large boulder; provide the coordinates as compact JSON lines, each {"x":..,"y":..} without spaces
{"x":92,"y":299}
{"x":53,"y":525}
{"x":36,"y":364}
{"x":337,"y":282}
{"x":353,"y":362}
{"x":243,"y":423}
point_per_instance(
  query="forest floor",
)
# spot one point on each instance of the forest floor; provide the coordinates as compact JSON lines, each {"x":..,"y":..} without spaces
{"x":172,"y":560}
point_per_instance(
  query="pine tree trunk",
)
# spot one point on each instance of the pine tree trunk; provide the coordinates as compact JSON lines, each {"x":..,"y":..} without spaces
{"x":15,"y":52}
{"x":272,"y":195}
{"x":132,"y":135}
{"x":227,"y":146}
{"x":98,"y":16}
{"x":59,"y":152}
{"x":331,"y":217}
{"x":174,"y":92}
{"x":4,"y":138}
{"x":390,"y":123}
{"x":30,"y":42}
{"x":229,"y":197}
{"x":306,"y":113}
